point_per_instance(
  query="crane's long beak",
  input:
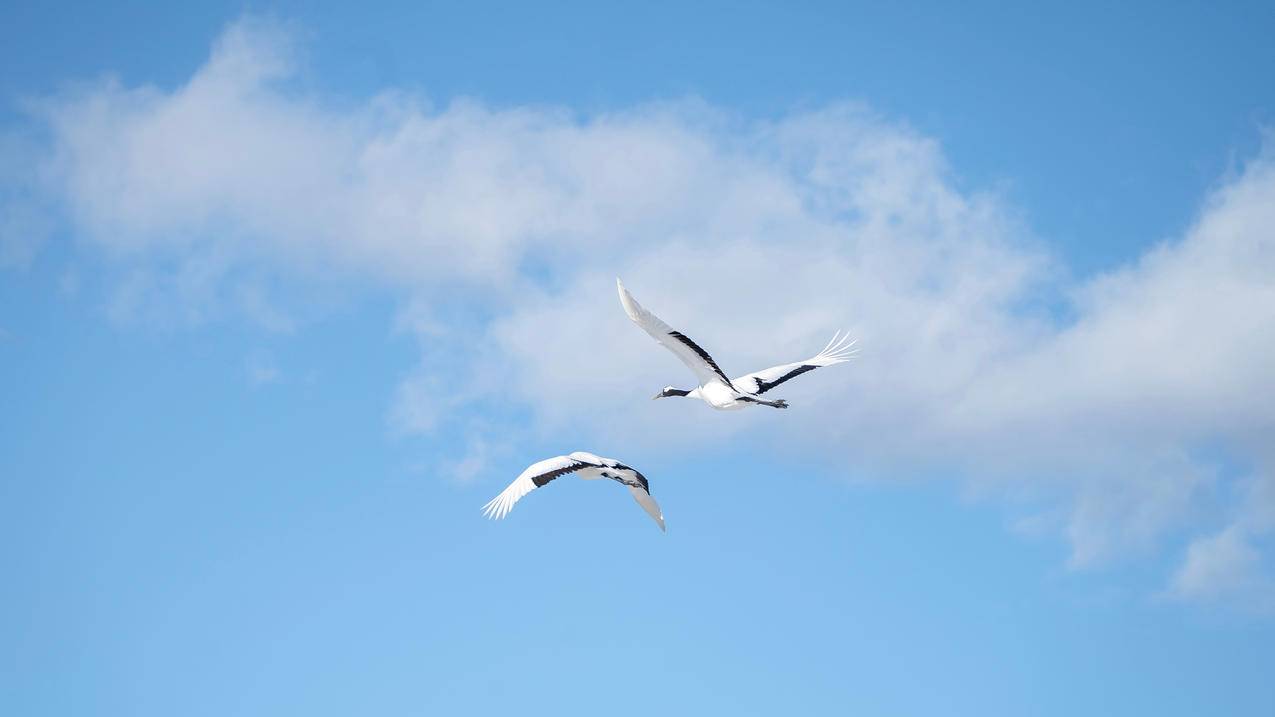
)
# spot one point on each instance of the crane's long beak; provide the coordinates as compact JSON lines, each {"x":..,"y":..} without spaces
{"x":658,"y":395}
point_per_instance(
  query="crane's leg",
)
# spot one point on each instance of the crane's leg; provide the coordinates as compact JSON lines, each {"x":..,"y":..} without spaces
{"x":778,"y":403}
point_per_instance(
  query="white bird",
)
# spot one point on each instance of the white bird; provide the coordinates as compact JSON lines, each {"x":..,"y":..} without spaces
{"x":585,"y":465}
{"x":715,"y":388}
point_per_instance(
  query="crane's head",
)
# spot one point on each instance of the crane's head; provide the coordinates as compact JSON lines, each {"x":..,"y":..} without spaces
{"x":669,"y":391}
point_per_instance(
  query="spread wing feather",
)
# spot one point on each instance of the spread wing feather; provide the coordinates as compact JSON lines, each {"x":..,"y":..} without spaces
{"x":648,"y":504}
{"x":840,"y":348}
{"x":690,"y":353}
{"x":536,"y":475}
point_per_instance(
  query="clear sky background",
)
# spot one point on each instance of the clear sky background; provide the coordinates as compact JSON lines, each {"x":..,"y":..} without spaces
{"x":287,"y":294}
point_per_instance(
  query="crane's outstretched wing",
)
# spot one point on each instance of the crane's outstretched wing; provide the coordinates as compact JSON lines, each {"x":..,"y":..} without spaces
{"x":586,"y":465}
{"x":695,"y":358}
{"x":839,"y":349}
{"x":648,"y":504}
{"x":629,"y":476}
{"x":536,"y":475}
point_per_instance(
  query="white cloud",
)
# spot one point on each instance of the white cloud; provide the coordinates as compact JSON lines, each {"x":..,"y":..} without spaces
{"x":1224,"y":567}
{"x":261,"y":368}
{"x":22,"y":232}
{"x":25,"y":223}
{"x":508,"y":226}
{"x":235,"y":163}
{"x":1116,"y":411}
{"x":475,"y":461}
{"x":1216,"y":564}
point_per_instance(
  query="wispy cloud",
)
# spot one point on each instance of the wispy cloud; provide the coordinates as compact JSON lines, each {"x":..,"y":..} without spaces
{"x":261,"y":369}
{"x":1108,"y":415}
{"x":25,"y":220}
{"x":475,"y":461}
{"x":1225,"y":567}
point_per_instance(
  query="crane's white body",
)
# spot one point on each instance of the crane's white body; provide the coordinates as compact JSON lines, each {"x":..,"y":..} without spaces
{"x":719,"y":396}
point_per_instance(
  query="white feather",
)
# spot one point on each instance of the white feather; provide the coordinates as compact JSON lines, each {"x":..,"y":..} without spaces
{"x":839,"y":349}
{"x":661,"y":332}
{"x":500,"y":506}
{"x":648,"y":504}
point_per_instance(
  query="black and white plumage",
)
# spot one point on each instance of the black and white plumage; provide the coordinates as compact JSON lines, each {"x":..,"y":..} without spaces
{"x":715,"y":387}
{"x":839,"y":349}
{"x":585,"y":465}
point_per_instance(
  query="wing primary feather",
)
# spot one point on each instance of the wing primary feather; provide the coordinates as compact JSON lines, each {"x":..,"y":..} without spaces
{"x":844,"y":346}
{"x":649,"y":505}
{"x":687,"y":351}
{"x":535,"y":476}
{"x":839,"y":349}
{"x":830,"y":342}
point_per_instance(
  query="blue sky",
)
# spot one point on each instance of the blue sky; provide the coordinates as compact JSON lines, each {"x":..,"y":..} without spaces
{"x":287,"y":294}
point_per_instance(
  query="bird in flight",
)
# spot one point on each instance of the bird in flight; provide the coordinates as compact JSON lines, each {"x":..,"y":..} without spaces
{"x":715,"y":388}
{"x":585,"y":465}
